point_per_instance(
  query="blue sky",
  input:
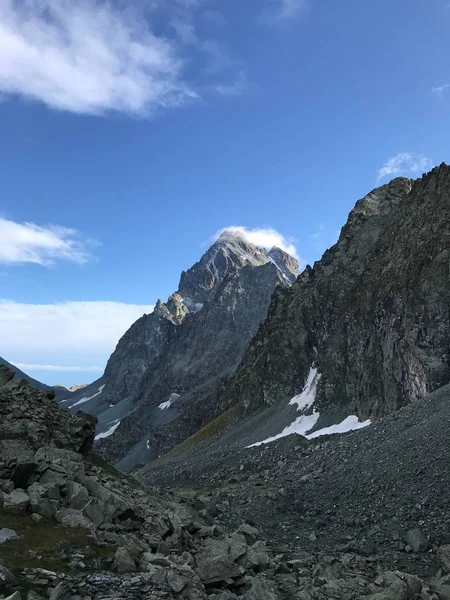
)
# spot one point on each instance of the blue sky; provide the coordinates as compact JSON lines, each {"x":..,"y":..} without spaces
{"x":129,"y":136}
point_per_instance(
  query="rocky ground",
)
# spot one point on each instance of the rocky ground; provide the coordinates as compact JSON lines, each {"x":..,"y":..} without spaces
{"x":72,"y":527}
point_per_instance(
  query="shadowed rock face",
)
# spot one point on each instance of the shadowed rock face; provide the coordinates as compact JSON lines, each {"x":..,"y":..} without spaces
{"x":179,"y":356}
{"x":373,"y":314}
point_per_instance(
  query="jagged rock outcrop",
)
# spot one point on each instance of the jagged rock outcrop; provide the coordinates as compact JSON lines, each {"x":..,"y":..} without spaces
{"x":31,"y":419}
{"x":372,"y":314}
{"x":163,"y":380}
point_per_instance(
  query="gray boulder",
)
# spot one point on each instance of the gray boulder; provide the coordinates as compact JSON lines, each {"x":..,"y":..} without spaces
{"x":16,"y":503}
{"x":123,"y":563}
{"x":7,"y":534}
{"x":77,"y":494}
{"x":69,"y":517}
{"x":416,"y":540}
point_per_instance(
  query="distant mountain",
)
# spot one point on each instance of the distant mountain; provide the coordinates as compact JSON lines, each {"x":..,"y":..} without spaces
{"x":164,"y":379}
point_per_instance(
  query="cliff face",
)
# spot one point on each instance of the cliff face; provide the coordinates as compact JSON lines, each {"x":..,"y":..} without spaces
{"x":372,"y":315}
{"x":164,"y":378}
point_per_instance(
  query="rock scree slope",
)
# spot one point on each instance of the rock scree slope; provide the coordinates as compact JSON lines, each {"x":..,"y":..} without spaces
{"x":72,"y":526}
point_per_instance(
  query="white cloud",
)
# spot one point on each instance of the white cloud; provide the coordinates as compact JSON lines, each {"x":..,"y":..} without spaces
{"x":265,"y":237}
{"x":405,"y":164}
{"x":69,"y":333}
{"x":283,"y":10}
{"x":29,"y":243}
{"x":57,"y":368}
{"x":439,"y":91}
{"x":88,"y":56}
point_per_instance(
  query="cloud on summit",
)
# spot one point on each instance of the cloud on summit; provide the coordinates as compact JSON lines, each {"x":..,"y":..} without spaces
{"x":265,"y":237}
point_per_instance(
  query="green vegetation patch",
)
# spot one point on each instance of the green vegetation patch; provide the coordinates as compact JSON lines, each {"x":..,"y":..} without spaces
{"x":49,"y":546}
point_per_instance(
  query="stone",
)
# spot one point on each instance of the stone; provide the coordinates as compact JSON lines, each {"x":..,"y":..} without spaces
{"x":176,"y":582}
{"x":262,"y":589}
{"x":416,"y":540}
{"x":7,"y":486}
{"x":16,"y":503}
{"x":250,"y":533}
{"x":257,"y":555}
{"x":32,"y":595}
{"x":123,"y":563}
{"x":6,"y":577}
{"x":61,"y":592}
{"x":443,"y":555}
{"x":214,"y":564}
{"x":70,"y":517}
{"x":7,"y":534}
{"x":77,"y":494}
{"x":95,"y":511}
{"x":15,"y":596}
{"x":36,"y":518}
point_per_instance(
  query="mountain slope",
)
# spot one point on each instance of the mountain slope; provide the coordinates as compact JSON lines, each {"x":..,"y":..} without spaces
{"x":164,"y":378}
{"x":18,"y":374}
{"x":372,"y":315}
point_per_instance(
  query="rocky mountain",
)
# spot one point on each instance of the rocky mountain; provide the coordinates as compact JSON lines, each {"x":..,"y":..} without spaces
{"x":371,"y":318}
{"x":163,"y":380}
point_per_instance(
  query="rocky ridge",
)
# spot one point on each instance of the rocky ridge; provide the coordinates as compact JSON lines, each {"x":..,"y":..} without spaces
{"x":372,"y":315}
{"x":163,"y":380}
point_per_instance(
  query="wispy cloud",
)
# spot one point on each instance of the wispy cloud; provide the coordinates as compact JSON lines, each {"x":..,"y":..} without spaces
{"x":234,"y":89}
{"x":265,"y":237}
{"x":30,"y":243}
{"x":440,"y":90}
{"x":57,"y":368}
{"x":89,"y":56}
{"x":283,"y":10}
{"x":405,"y":163}
{"x":69,"y":333}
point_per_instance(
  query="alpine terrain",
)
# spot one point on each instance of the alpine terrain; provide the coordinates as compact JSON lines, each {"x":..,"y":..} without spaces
{"x":164,"y":379}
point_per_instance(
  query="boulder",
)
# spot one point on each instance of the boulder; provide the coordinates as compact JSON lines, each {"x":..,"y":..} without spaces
{"x":77,"y":494}
{"x":95,"y":511}
{"x":416,"y":540}
{"x":214,"y":564}
{"x":6,"y":577}
{"x":69,"y":517}
{"x":16,"y":503}
{"x":262,"y":589}
{"x":7,"y":534}
{"x":123,"y":563}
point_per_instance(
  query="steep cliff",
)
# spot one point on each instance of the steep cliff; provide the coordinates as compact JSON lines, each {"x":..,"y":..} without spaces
{"x":372,"y":315}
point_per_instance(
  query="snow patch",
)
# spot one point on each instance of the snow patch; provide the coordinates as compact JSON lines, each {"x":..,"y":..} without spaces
{"x":87,"y":398}
{"x":351,"y":423}
{"x":307,"y":396}
{"x":305,"y":423}
{"x":169,"y":402}
{"x":109,"y":432}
